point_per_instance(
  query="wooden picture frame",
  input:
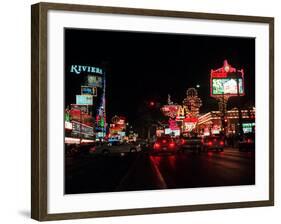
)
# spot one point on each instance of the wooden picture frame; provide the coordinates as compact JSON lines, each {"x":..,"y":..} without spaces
{"x":39,"y":108}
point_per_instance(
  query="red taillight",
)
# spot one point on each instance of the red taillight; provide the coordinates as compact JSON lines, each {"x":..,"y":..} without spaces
{"x":93,"y":149}
{"x":172,"y":145}
{"x":164,"y":141}
{"x":221,"y":143}
{"x":182,"y":141}
{"x":249,"y":140}
{"x":210,"y":143}
{"x":156,"y":146}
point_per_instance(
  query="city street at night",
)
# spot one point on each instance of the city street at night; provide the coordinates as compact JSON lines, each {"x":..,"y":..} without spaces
{"x":139,"y":171}
{"x":151,"y":111}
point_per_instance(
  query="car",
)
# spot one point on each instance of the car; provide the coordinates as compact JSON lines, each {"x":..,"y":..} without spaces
{"x":192,"y":143}
{"x":144,"y":145}
{"x":114,"y":139}
{"x":78,"y":149}
{"x":165,"y":145}
{"x":115,"y":149}
{"x":213,"y":143}
{"x":247,"y":142}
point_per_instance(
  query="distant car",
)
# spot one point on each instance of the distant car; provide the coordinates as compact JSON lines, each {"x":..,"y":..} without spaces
{"x":108,"y":148}
{"x":144,"y":145}
{"x":78,"y":149}
{"x":165,"y":145}
{"x":114,"y":140}
{"x":192,"y":143}
{"x":247,"y":142}
{"x":213,"y":143}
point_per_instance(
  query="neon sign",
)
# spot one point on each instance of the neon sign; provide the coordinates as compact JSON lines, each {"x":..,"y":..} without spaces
{"x":77,"y":69}
{"x":223,"y":81}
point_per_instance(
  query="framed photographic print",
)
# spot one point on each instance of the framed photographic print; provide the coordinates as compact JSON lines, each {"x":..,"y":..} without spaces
{"x":138,"y":111}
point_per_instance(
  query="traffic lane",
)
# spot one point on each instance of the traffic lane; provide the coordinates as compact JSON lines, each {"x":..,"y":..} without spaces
{"x":187,"y":170}
{"x":227,"y":168}
{"x":96,"y":173}
{"x":138,"y":171}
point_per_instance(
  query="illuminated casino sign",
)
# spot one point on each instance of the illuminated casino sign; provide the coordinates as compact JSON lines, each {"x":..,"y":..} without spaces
{"x":82,"y":129}
{"x":226,"y":86}
{"x":84,"y":99}
{"x":88,"y":90}
{"x":189,"y":124}
{"x":77,"y":69}
{"x":94,"y":81}
{"x":226,"y":81}
{"x":82,"y":108}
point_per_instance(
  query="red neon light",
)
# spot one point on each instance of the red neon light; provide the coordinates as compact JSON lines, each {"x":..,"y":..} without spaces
{"x":219,"y":74}
{"x":191,"y":119}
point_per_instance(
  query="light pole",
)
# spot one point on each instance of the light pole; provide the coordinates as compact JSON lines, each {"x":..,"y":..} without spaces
{"x":240,"y":131}
{"x":80,"y":127}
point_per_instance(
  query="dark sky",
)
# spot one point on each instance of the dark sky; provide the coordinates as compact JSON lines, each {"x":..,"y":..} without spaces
{"x":149,"y":66}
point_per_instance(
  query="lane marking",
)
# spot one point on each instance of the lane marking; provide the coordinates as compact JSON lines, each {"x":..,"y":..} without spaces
{"x":160,"y":177}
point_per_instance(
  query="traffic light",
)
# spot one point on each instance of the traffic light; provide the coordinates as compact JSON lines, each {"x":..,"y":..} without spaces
{"x":151,"y":103}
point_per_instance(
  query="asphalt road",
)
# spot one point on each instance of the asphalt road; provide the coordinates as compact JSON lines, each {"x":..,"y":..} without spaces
{"x":138,"y":171}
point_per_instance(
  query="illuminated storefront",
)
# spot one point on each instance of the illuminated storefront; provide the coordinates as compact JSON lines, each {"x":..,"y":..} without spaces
{"x":211,"y":122}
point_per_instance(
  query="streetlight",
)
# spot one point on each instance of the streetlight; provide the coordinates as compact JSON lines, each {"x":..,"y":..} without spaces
{"x":197,"y":86}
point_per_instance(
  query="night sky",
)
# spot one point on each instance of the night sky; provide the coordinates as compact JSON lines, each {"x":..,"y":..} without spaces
{"x":141,"y":67}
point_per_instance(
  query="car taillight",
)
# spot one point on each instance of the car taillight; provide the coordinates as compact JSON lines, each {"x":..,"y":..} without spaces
{"x":156,"y":146}
{"x":164,"y":141}
{"x":182,"y":141}
{"x":210,"y":143}
{"x":249,"y":140}
{"x":172,"y":145}
{"x":221,"y":143}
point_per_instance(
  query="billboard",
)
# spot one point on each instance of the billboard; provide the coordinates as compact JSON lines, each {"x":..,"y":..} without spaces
{"x":88,"y":90}
{"x":227,"y":86}
{"x":224,"y":81}
{"x":94,"y":81}
{"x":248,"y":127}
{"x":168,"y":131}
{"x":82,"y":129}
{"x":83,"y":108}
{"x":84,"y":99}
